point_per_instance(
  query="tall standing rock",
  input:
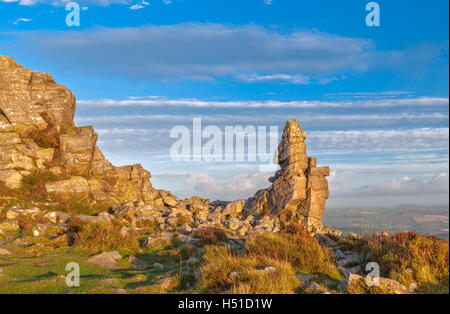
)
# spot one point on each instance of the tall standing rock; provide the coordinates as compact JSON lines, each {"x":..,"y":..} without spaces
{"x":299,"y":189}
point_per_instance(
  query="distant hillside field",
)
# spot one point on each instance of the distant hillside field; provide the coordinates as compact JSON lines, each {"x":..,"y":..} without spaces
{"x":432,"y":220}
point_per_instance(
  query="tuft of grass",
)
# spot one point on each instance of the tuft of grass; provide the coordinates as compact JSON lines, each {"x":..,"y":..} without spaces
{"x":360,"y":287}
{"x":297,"y":248}
{"x":33,"y":187}
{"x":268,"y":265}
{"x":83,"y":207}
{"x":47,"y":138}
{"x":211,"y":235}
{"x":224,"y":271}
{"x":408,"y":257}
{"x":98,"y":237}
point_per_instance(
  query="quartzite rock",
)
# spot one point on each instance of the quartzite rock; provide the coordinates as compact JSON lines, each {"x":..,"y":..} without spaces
{"x":34,"y":111}
{"x":299,"y":189}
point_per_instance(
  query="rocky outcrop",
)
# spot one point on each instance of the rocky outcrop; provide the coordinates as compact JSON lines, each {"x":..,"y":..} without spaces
{"x":299,"y":189}
{"x":37,"y":133}
{"x":25,"y":96}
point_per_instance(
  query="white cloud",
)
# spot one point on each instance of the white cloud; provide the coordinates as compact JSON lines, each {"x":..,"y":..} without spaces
{"x":307,"y":120}
{"x":139,"y":5}
{"x":58,"y":3}
{"x":294,"y":79}
{"x":162,"y":102}
{"x":208,"y":51}
{"x":404,"y":185}
{"x":24,"y":20}
{"x":268,"y":2}
{"x":242,"y":185}
{"x":28,"y":2}
{"x":379,"y":140}
{"x":136,"y":7}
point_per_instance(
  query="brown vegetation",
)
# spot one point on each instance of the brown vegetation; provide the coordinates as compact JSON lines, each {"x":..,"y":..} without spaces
{"x":98,"y":237}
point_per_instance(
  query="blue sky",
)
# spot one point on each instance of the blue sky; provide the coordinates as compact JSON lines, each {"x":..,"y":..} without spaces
{"x":374,"y":100}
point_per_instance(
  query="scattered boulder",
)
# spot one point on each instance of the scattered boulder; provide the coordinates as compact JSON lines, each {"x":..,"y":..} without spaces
{"x":11,"y":178}
{"x":49,"y":230}
{"x":304,"y":278}
{"x":14,"y":213}
{"x":9,"y":226}
{"x":106,"y":259}
{"x":63,"y":218}
{"x":169,"y":201}
{"x":392,"y":286}
{"x":4,"y":252}
{"x":314,"y":287}
{"x":158,"y":266}
{"x":192,"y":260}
{"x":137,"y":263}
{"x":356,"y":283}
{"x":347,"y":271}
{"x":234,"y":208}
{"x":349,"y":261}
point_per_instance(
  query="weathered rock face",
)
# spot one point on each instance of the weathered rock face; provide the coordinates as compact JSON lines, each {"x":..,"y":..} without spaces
{"x":299,"y":189}
{"x":26,"y":95}
{"x":37,"y":133}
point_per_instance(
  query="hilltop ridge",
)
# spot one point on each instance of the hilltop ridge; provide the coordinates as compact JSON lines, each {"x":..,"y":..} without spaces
{"x":61,"y":200}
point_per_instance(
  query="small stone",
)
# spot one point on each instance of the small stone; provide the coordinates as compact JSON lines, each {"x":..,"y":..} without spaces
{"x":63,"y":217}
{"x":106,"y":259}
{"x":185,"y":228}
{"x":9,"y":226}
{"x":51,"y":217}
{"x":4,"y":252}
{"x":192,"y":260}
{"x":108,"y":281}
{"x":158,"y":266}
{"x":170,"y":202}
{"x":314,"y":286}
{"x":339,"y":255}
{"x":270,"y":269}
{"x":413,"y":287}
{"x":349,"y":261}
{"x":137,"y":263}
{"x":347,"y":271}
{"x":304,"y":278}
